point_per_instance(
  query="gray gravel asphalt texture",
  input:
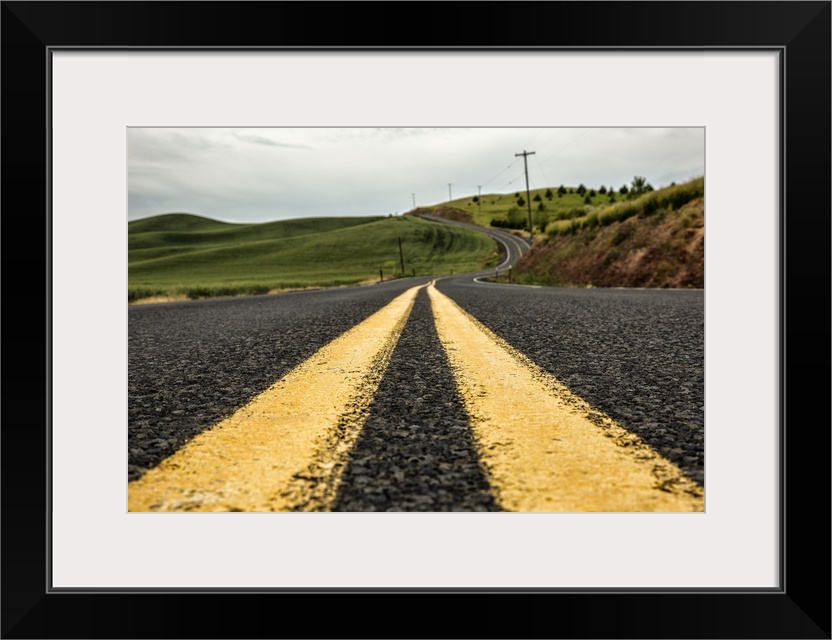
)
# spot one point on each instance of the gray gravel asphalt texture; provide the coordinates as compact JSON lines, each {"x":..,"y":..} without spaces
{"x":193,"y":363}
{"x":637,"y":355}
{"x":416,"y":451}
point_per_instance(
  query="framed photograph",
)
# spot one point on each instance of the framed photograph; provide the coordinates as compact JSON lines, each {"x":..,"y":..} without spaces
{"x":753,"y":78}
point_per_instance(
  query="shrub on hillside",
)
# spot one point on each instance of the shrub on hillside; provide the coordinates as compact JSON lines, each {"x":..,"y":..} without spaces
{"x":503,"y":223}
{"x":514,"y":219}
{"x":678,"y":195}
{"x":590,"y":221}
{"x":639,"y":187}
{"x":649,"y":205}
{"x":618,"y":212}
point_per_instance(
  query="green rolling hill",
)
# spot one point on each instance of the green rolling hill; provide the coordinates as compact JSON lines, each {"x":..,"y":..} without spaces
{"x":183,"y":255}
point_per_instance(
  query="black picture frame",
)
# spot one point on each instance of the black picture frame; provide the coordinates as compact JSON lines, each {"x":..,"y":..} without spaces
{"x":800,"y":608}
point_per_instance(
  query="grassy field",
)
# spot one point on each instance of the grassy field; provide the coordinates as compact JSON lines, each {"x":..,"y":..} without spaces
{"x":555,"y":205}
{"x":660,"y":201}
{"x":194,"y":257}
{"x":496,"y":205}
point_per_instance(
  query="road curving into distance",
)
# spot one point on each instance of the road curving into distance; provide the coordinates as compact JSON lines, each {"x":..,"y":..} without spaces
{"x":513,"y":246}
{"x":420,"y":394}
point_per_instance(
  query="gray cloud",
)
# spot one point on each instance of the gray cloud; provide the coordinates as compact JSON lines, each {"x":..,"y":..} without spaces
{"x":259,"y":139}
{"x":251,"y":175}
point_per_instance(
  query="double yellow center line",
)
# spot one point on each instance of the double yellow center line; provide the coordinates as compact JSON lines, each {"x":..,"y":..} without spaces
{"x":543,"y":448}
{"x":302,"y":427}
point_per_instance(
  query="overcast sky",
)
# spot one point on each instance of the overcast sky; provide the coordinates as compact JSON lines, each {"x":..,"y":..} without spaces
{"x":257,"y":175}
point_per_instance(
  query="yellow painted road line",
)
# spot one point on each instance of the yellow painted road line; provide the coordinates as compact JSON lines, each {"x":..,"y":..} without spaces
{"x":543,"y":448}
{"x":287,"y":448}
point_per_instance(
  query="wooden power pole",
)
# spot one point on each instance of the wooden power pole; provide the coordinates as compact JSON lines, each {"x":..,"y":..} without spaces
{"x":528,"y":199}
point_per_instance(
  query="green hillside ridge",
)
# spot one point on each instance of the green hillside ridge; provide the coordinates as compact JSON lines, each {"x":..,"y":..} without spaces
{"x":175,"y":232}
{"x":654,"y":239}
{"x":495,"y":206}
{"x":176,"y":222}
{"x":548,"y":204}
{"x":181,"y":255}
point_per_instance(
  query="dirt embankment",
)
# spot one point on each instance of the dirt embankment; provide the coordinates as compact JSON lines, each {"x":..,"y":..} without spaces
{"x":659,"y":251}
{"x":444,"y":212}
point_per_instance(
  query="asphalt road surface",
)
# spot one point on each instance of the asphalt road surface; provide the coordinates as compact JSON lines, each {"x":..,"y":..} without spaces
{"x":420,"y":394}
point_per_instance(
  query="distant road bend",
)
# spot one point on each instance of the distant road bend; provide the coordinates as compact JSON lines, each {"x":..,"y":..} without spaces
{"x":420,"y":394}
{"x":513,"y":245}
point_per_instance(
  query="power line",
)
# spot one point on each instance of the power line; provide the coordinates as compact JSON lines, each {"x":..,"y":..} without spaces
{"x":510,"y":182}
{"x":575,"y":139}
{"x":543,"y":173}
{"x":537,"y":133}
{"x":501,"y":173}
{"x":557,"y":133}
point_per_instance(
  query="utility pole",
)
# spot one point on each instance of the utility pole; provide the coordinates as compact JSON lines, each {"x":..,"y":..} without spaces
{"x":450,"y":197}
{"x":401,"y":255}
{"x":528,"y":199}
{"x":479,"y":198}
{"x":414,"y":200}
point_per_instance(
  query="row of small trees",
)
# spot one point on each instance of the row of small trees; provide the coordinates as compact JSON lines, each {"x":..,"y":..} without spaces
{"x":638,"y":187}
{"x":516,"y":218}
